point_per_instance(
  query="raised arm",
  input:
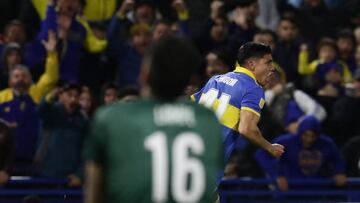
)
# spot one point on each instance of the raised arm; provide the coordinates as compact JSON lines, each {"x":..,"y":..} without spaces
{"x":51,"y":75}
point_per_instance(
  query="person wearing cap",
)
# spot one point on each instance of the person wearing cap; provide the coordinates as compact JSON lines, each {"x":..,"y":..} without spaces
{"x":309,"y":155}
{"x":62,"y":136}
{"x":346,"y":112}
{"x":18,"y":106}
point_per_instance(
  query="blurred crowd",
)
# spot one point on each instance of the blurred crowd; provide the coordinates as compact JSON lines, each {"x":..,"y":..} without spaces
{"x":62,"y":59}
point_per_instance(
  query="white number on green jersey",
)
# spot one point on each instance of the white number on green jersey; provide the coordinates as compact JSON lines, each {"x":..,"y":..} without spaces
{"x":208,"y":99}
{"x":183,"y":166}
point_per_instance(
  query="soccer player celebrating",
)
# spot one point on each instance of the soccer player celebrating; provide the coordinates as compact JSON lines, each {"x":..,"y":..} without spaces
{"x":237,"y":98}
{"x":157,"y":150}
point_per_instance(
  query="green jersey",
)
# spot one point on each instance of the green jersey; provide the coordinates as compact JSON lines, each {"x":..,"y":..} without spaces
{"x":157,"y":152}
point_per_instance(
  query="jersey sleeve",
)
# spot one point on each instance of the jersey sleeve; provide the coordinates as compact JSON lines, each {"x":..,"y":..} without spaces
{"x":95,"y":143}
{"x":253,"y":100}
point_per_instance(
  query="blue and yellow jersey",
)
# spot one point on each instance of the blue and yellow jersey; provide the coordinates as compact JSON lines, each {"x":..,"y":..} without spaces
{"x":226,"y":95}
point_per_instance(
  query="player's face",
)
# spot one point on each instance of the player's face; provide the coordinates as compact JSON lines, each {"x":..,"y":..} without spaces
{"x":308,"y":138}
{"x":263,"y":69}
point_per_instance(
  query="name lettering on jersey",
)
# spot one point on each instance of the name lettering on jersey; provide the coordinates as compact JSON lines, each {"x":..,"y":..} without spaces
{"x":169,"y":114}
{"x":227,"y":80}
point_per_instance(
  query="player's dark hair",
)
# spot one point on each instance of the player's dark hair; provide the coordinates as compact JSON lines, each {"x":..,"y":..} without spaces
{"x":128,"y":90}
{"x":172,"y":62}
{"x":252,"y":50}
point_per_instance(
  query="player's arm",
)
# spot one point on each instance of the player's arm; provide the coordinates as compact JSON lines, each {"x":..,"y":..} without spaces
{"x":249,"y":129}
{"x":94,"y":185}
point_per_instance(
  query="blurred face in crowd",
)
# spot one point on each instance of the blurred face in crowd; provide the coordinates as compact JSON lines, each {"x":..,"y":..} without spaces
{"x":141,"y":40}
{"x":356,"y":84}
{"x":357,"y":35}
{"x":15,"y":33}
{"x":345,"y":46}
{"x":70,"y":100}
{"x":327,"y":53}
{"x":262,"y":68}
{"x":160,"y":30}
{"x":219,"y":30}
{"x":13,"y":58}
{"x":215,"y":66}
{"x":287,"y":31}
{"x":20,"y":80}
{"x":357,"y":55}
{"x":334,"y":76}
{"x":313,"y":3}
{"x":110,"y":96}
{"x":69,"y":7}
{"x":265,"y":39}
{"x":144,"y":14}
{"x":253,"y":10}
{"x":308,"y":138}
{"x":85,"y":101}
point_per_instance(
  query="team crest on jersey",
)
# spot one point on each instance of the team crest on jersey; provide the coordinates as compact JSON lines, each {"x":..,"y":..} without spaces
{"x":261,"y":103}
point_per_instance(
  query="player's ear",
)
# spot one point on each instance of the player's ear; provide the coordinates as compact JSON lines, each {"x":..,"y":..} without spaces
{"x":250,"y":64}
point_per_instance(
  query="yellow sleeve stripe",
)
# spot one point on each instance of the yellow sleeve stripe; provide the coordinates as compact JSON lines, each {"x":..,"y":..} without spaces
{"x":192,"y":97}
{"x":251,"y":110}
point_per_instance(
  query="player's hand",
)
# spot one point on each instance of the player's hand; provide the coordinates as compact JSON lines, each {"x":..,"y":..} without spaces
{"x":126,"y":6}
{"x":304,"y":47}
{"x":74,"y":181}
{"x":282,"y":184}
{"x":4,"y":177}
{"x":340,"y":179}
{"x":276,"y":150}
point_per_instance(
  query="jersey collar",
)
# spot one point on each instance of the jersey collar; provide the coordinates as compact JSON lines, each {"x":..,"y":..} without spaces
{"x":240,"y":69}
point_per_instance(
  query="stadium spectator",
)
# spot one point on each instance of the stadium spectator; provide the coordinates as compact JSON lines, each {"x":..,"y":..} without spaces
{"x":346,"y":112}
{"x":63,"y":133}
{"x":11,"y":56}
{"x":308,"y":155}
{"x":327,"y":73}
{"x":346,"y":45}
{"x":351,"y":154}
{"x":286,"y":50}
{"x":74,"y":33}
{"x":110,"y":93}
{"x":18,"y":106}
{"x":357,"y":56}
{"x":129,"y":94}
{"x":215,"y":32}
{"x":127,"y":54}
{"x":268,"y":15}
{"x":217,"y":63}
{"x":6,"y":152}
{"x":243,"y":27}
{"x":86,"y":102}
{"x":289,"y":105}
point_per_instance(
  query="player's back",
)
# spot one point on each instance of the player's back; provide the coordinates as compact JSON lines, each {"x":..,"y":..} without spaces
{"x":227,"y":95}
{"x":160,"y":152}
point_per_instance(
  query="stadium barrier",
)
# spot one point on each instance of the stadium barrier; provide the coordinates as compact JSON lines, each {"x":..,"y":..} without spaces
{"x":53,"y":190}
